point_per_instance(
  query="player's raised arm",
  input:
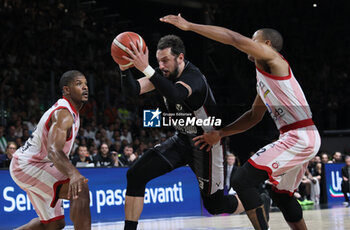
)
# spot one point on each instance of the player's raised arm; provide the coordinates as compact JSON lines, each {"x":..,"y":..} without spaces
{"x":61,"y":122}
{"x":223,"y":35}
{"x":174,"y":92}
{"x":142,"y":85}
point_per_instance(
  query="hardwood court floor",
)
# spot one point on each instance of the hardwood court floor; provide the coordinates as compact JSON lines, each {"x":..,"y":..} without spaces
{"x":337,"y":218}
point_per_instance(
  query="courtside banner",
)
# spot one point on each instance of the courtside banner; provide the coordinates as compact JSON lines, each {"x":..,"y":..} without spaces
{"x":333,"y":182}
{"x":174,"y":194}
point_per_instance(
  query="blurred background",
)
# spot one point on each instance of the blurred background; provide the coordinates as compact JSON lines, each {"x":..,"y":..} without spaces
{"x":40,"y":40}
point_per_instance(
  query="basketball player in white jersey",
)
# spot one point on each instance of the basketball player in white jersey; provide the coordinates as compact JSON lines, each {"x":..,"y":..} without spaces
{"x":41,"y":166}
{"x":284,"y":161}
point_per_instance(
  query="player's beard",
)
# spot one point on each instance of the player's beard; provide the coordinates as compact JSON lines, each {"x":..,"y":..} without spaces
{"x":173,"y":74}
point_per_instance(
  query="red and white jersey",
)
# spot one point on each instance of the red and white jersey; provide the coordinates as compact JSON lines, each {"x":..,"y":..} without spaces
{"x":283,"y":97}
{"x":35,"y":148}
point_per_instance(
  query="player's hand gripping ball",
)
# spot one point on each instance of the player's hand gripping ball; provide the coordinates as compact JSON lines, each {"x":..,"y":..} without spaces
{"x":119,"y":45}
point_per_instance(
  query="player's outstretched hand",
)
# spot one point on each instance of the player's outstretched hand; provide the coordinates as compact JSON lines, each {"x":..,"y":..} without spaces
{"x":209,"y":139}
{"x":137,"y":56}
{"x":177,"y":21}
{"x":75,"y":185}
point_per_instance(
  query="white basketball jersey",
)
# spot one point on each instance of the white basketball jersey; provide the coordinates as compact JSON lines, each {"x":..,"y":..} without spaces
{"x":283,"y":97}
{"x":35,"y":148}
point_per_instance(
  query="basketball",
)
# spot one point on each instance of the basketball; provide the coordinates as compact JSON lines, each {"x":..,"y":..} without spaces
{"x":121,"y":42}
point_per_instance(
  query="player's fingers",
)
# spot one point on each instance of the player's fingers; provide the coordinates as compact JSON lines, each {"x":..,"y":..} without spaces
{"x":197,"y":138}
{"x":146,"y":51}
{"x":197,"y":143}
{"x":79,"y":187}
{"x":127,"y":58}
{"x":134,"y":48}
{"x":130,"y":52}
{"x":139,"y":46}
{"x":72,"y":191}
{"x":209,"y":148}
{"x":167,"y":18}
{"x":69,"y":192}
{"x":203,"y":145}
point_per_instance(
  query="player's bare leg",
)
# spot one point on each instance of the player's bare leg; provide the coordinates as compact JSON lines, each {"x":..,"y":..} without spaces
{"x":35,"y":224}
{"x":240,"y":207}
{"x":258,"y":218}
{"x":300,"y":225}
{"x":133,"y":207}
{"x":79,"y":208}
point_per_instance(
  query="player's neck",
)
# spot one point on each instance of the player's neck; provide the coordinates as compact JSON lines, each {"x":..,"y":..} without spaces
{"x":77,"y":105}
{"x":181,"y":69}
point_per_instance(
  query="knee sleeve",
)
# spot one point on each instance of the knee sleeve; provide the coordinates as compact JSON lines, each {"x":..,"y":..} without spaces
{"x":288,"y":205}
{"x":245,"y":183}
{"x":149,"y":166}
{"x":247,"y":177}
{"x":135,"y":185}
{"x":218,"y":203}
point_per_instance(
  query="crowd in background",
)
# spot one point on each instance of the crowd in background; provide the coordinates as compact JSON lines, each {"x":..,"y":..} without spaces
{"x":42,"y":39}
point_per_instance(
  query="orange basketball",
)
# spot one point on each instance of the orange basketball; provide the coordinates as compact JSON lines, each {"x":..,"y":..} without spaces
{"x":121,"y":42}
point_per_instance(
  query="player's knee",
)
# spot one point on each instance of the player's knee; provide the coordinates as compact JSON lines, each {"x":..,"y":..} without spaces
{"x":212,"y":208}
{"x":238,"y":181}
{"x":289,"y":206}
{"x":135,"y":186}
{"x":213,"y":203}
{"x":133,"y":176}
{"x":294,"y":215}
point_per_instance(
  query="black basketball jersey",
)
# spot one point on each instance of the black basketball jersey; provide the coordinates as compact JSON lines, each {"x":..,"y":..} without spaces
{"x":198,"y":113}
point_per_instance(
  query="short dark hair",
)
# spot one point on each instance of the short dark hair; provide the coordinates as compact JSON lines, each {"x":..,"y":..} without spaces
{"x":68,"y":77}
{"x":274,"y":36}
{"x":173,"y":42}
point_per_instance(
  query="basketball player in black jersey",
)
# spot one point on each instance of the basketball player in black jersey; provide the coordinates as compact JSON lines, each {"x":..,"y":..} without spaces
{"x":185,"y":90}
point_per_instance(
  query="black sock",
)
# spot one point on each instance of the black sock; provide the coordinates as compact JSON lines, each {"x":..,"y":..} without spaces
{"x":130,"y":225}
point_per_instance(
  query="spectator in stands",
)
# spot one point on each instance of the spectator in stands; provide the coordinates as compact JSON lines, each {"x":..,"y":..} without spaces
{"x":115,"y":156}
{"x":315,"y":177}
{"x":103,"y":158}
{"x":5,"y":160}
{"x":345,"y":185}
{"x":230,"y":168}
{"x":3,"y":141}
{"x":128,"y":157}
{"x":338,"y":157}
{"x":82,"y":156}
{"x":31,"y":124}
{"x":11,"y":134}
{"x":25,"y":135}
{"x":304,"y":190}
{"x":97,"y":138}
{"x":18,"y":141}
{"x":19,"y":128}
{"x":110,"y":131}
{"x":89,"y":132}
{"x":116,"y":147}
{"x":325,"y":158}
{"x":126,"y":135}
